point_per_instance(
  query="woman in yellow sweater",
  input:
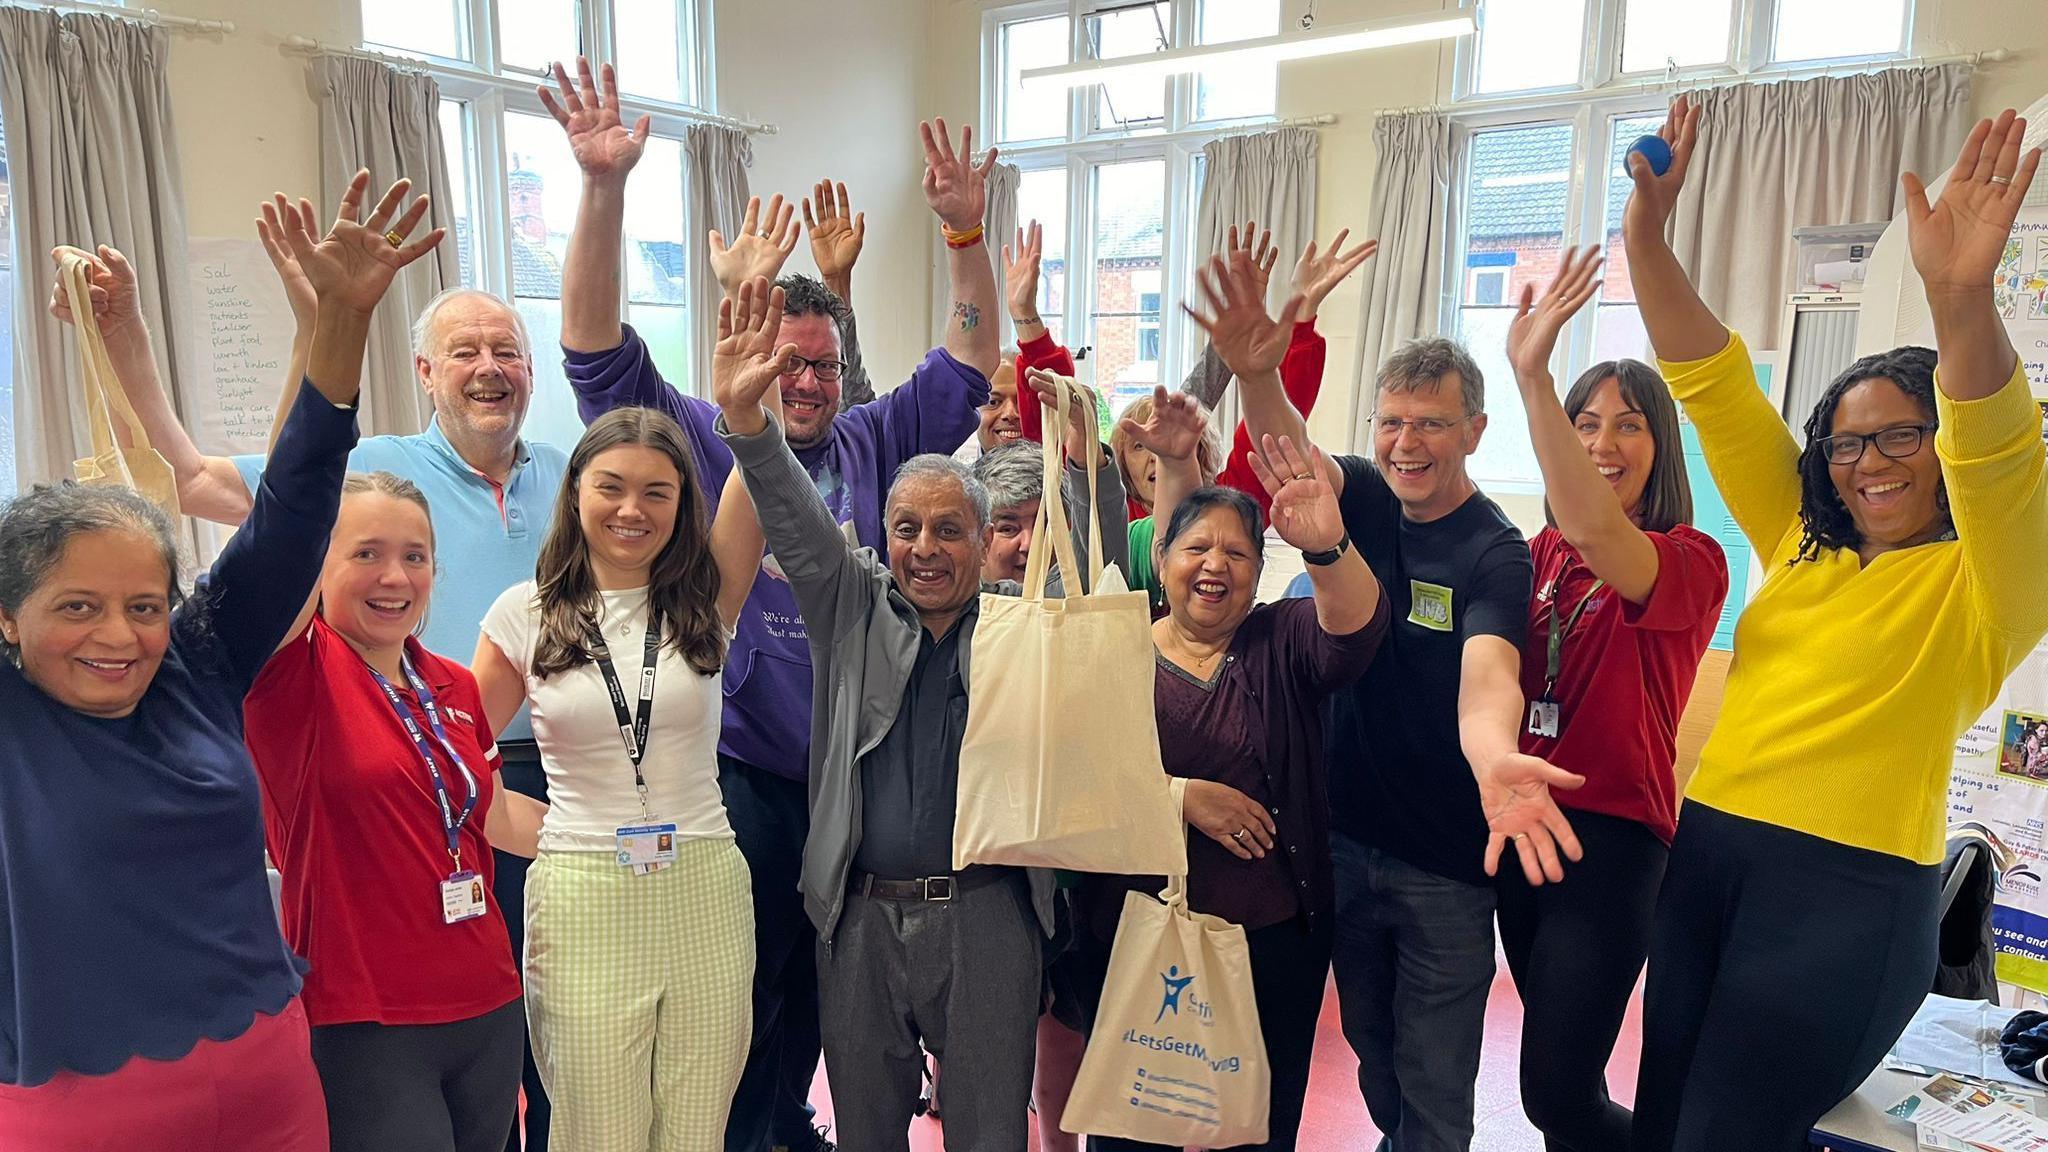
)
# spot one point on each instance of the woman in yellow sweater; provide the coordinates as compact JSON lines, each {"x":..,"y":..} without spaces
{"x":1795,"y":933}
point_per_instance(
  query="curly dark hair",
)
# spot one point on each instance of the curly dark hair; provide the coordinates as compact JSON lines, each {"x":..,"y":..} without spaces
{"x":1824,"y":520}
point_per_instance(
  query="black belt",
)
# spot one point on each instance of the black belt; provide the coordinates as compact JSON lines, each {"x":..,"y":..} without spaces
{"x":929,"y":888}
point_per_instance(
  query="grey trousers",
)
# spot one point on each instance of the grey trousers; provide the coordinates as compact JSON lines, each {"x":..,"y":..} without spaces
{"x":961,"y":977}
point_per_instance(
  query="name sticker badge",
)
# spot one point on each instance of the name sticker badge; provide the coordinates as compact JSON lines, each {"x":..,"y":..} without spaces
{"x":462,"y":897}
{"x":1429,"y":605}
{"x":647,"y":847}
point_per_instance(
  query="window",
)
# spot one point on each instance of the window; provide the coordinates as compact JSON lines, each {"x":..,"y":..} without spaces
{"x":1657,"y":34}
{"x":1130,"y":252}
{"x":1529,"y":44}
{"x":1042,"y":196}
{"x":1240,"y":89}
{"x":1130,"y":32}
{"x":1038,"y":113}
{"x":423,"y":27}
{"x":532,"y":34}
{"x":459,"y":147}
{"x":1815,"y":29}
{"x":6,"y":329}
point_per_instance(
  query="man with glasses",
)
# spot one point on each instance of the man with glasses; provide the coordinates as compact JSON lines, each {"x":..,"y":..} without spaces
{"x":852,"y":454}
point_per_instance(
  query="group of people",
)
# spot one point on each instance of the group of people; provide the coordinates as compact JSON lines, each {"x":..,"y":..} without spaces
{"x":709,"y":671}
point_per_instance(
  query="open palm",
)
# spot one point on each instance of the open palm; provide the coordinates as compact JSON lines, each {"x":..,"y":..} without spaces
{"x":590,"y":118}
{"x":747,"y":359}
{"x":954,"y":186}
{"x":298,"y":291}
{"x":353,"y":265}
{"x":1263,"y":252}
{"x":1532,"y":336}
{"x":1318,"y":273}
{"x":1174,"y":430}
{"x":766,"y":239}
{"x":837,"y":233}
{"x":1514,"y":794}
{"x":1250,"y":342}
{"x":1304,"y":510}
{"x":1020,"y":271}
{"x":1958,"y":241}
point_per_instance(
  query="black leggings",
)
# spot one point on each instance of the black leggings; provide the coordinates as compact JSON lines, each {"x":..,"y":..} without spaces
{"x":1290,"y":974}
{"x":1576,"y":949}
{"x":422,"y":1087}
{"x":1782,"y":968}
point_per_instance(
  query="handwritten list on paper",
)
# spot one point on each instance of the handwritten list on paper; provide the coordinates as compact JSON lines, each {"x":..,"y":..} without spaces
{"x":244,"y":325}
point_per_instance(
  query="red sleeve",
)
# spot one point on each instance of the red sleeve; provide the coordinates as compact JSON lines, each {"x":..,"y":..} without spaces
{"x":1301,"y":377}
{"x":1692,"y":582}
{"x":1046,"y":353}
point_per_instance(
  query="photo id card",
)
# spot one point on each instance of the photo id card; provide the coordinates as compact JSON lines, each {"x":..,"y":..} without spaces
{"x":462,"y":897}
{"x":1543,"y":718}
{"x":641,"y":845}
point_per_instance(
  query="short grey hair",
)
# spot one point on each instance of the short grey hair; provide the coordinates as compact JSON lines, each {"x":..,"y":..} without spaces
{"x":423,"y":325}
{"x":1014,"y":474}
{"x":38,"y":525}
{"x":1422,"y":363}
{"x":936,"y":464}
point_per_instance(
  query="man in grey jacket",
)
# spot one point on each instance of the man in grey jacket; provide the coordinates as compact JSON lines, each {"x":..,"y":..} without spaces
{"x":910,"y":951}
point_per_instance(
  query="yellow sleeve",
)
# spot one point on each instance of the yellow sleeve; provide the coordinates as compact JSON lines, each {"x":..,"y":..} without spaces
{"x":1992,"y":459}
{"x":1749,"y":450}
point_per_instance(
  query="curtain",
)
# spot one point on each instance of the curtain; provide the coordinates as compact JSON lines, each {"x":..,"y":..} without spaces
{"x":1774,"y":157}
{"x":717,"y":159}
{"x":1268,"y":177}
{"x":93,"y":159}
{"x":1410,"y":217}
{"x":999,"y":222}
{"x":375,"y":116}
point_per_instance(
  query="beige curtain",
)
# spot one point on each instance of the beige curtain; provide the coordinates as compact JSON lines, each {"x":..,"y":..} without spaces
{"x":1410,"y":217}
{"x":999,"y":221}
{"x":375,"y":116}
{"x":1268,"y":177}
{"x":717,"y":160}
{"x":1774,"y":157}
{"x":92,"y":159}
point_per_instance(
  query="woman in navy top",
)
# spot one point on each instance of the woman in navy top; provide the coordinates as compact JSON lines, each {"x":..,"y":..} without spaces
{"x":147,"y":999}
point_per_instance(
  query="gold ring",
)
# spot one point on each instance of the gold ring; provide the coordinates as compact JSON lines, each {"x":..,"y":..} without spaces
{"x":1521,"y":836}
{"x":394,"y":238}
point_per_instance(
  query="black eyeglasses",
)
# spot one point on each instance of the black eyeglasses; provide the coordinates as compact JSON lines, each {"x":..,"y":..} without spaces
{"x":1897,"y":443}
{"x":825,"y":370}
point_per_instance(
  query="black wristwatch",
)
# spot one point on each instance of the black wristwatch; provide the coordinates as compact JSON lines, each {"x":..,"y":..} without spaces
{"x":1320,"y":559}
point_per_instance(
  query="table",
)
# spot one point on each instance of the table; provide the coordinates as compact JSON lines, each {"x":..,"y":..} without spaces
{"x":1859,"y":1124}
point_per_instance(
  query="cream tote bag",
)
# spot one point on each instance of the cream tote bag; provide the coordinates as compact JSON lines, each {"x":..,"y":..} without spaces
{"x":139,"y":467}
{"x":1059,"y":766}
{"x":1176,"y":1057}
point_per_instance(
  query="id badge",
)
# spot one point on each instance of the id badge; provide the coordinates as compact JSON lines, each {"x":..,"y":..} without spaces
{"x":462,"y":897}
{"x":1543,"y":716}
{"x":642,"y":845}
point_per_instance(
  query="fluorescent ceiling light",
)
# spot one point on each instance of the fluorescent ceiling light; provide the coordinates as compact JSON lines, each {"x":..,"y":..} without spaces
{"x":1264,"y":50}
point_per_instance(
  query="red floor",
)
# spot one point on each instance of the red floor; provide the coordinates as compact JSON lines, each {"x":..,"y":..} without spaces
{"x":1335,"y":1120}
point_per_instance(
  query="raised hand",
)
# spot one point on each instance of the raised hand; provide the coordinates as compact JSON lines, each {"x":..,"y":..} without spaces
{"x":1304,"y":510}
{"x":1250,"y":342}
{"x":1174,"y":431}
{"x":954,"y":186}
{"x":110,"y":282}
{"x":298,"y":291}
{"x":1532,"y":336}
{"x":1316,"y":274}
{"x":747,"y":360}
{"x":1081,"y":438}
{"x":1020,"y":274}
{"x":353,"y":265}
{"x":1958,"y":241}
{"x":1514,"y":792}
{"x":1649,"y":207}
{"x":762,"y":247}
{"x":590,"y":118}
{"x":1262,"y":254}
{"x":837,"y":232}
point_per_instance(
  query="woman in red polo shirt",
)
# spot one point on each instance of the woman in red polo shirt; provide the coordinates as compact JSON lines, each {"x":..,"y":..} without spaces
{"x":1627,"y":596}
{"x":379,"y":776}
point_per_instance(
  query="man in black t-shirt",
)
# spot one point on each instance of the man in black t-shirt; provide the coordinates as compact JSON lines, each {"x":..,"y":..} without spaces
{"x":1431,"y":727}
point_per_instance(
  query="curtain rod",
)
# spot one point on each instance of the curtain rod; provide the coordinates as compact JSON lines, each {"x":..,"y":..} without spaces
{"x":307,"y":46}
{"x":141,"y":16}
{"x":1319,"y":120}
{"x":1683,"y":84}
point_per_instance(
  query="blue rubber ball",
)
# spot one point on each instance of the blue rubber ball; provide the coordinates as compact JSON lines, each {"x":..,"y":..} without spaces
{"x":1656,"y":151}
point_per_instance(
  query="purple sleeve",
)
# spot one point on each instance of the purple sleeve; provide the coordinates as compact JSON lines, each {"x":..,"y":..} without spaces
{"x":936,"y":410}
{"x":625,"y":377}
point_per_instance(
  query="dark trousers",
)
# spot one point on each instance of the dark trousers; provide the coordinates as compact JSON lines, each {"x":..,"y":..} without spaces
{"x":421,"y":1087}
{"x":1290,"y":973}
{"x":1414,"y":962}
{"x":1782,"y":968}
{"x":522,"y":774}
{"x":1576,"y":949}
{"x":771,"y":816}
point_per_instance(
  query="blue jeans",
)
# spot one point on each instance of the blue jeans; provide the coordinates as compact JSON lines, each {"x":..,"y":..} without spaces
{"x":1413,"y":961}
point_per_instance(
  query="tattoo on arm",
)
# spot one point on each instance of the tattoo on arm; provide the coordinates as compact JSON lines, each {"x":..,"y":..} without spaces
{"x":970,"y":316}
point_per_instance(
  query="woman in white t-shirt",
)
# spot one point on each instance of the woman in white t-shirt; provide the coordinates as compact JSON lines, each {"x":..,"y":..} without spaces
{"x":639,"y":923}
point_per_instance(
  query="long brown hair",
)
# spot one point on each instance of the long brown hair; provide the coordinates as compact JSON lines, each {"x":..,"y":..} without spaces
{"x":1667,"y":494}
{"x":683,"y":586}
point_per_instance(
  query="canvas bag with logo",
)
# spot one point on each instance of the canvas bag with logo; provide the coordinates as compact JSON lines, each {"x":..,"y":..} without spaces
{"x":1059,"y":766}
{"x":139,"y":466}
{"x":1177,"y":1056}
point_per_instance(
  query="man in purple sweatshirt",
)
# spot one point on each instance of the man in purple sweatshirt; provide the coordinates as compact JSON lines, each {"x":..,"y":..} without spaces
{"x":853,"y":455}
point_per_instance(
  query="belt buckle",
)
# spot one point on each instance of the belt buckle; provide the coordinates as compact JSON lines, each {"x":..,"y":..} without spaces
{"x":938,"y":888}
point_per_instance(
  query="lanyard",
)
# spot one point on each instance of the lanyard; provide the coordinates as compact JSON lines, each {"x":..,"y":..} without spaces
{"x":451,"y":822}
{"x":632,"y":725}
{"x":1553,"y":660}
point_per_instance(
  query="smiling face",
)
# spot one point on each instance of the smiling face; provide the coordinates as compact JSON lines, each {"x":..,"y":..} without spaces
{"x":1009,"y":548}
{"x":1618,"y":439}
{"x":1894,"y":503}
{"x":477,"y":371}
{"x":1000,"y":422}
{"x":1426,"y":469}
{"x":1211,"y":574}
{"x":94,"y":631}
{"x":808,"y":403}
{"x":379,"y":572}
{"x":936,"y":550}
{"x":626,"y":502}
